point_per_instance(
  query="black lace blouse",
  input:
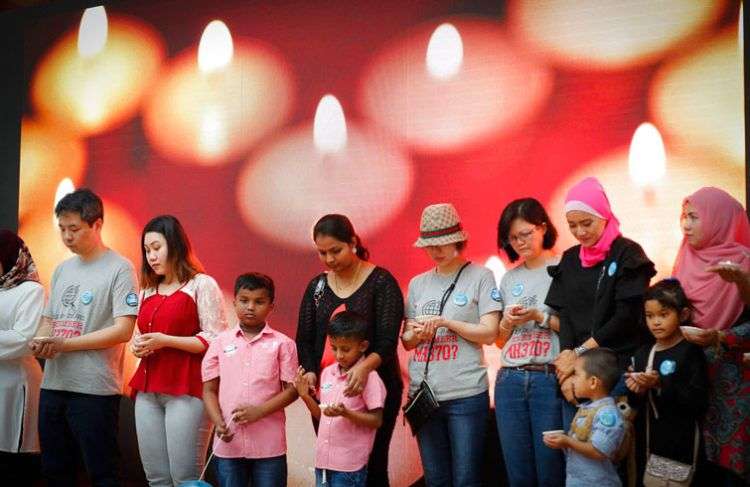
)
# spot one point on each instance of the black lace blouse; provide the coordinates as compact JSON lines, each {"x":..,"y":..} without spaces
{"x":379,"y":300}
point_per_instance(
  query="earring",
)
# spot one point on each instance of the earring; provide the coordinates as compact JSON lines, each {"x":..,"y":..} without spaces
{"x":355,"y":250}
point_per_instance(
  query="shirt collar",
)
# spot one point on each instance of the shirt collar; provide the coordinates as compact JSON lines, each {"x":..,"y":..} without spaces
{"x":340,"y":373}
{"x":599,"y":402}
{"x":266,"y":330}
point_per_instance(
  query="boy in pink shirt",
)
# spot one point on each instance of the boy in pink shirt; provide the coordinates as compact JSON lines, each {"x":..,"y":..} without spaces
{"x":248,"y":373}
{"x":347,"y":424}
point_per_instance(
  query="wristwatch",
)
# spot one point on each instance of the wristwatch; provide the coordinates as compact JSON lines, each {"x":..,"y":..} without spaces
{"x":545,"y":320}
{"x":579,"y":350}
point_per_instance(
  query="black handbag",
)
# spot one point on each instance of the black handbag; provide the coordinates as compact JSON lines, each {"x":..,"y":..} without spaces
{"x":423,"y":404}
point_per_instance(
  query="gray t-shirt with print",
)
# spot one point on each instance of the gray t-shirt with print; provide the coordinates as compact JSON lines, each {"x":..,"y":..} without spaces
{"x":457,"y":368}
{"x":86,"y":297}
{"x":529,"y":343}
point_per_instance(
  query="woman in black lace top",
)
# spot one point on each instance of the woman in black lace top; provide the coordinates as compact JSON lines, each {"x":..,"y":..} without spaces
{"x":356,"y":285}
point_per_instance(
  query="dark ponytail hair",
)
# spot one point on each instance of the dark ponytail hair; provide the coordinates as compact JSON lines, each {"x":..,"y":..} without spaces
{"x":340,"y":228}
{"x":180,"y":254}
{"x":669,"y":293}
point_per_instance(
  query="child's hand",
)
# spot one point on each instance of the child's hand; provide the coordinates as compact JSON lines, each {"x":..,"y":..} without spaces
{"x":301,"y":384}
{"x":247,"y":414}
{"x":646,"y":380}
{"x":222,"y":431}
{"x":334,"y":410}
{"x":556,"y":441}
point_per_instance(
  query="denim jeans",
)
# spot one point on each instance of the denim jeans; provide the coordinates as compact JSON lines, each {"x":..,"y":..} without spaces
{"x":71,"y":422}
{"x":451,"y":443}
{"x":526,"y":404}
{"x":257,"y":472}
{"x":334,"y":478}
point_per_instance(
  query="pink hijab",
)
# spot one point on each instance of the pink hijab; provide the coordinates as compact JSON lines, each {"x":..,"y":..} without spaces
{"x":726,"y":236}
{"x":589,"y":196}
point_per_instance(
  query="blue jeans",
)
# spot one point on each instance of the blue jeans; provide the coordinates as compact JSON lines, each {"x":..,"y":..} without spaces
{"x":71,"y":422}
{"x":569,"y":410}
{"x":526,"y":404}
{"x":451,"y":443}
{"x":258,"y":472}
{"x":334,"y":478}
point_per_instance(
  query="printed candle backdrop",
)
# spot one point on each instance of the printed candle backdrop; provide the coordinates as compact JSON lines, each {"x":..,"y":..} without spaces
{"x":249,"y":120}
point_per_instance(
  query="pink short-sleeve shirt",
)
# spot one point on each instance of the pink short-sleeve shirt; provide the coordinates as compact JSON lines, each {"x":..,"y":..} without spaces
{"x":250,"y":372}
{"x":342,"y":445}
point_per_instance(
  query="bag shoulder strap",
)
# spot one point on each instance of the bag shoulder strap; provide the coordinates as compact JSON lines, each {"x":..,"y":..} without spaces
{"x":443,"y":300}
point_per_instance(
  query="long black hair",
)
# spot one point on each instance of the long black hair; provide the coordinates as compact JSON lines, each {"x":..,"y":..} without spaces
{"x":530,"y":210}
{"x":340,"y":228}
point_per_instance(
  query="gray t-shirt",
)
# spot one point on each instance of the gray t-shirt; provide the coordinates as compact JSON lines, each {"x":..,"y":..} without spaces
{"x":529,"y":343}
{"x":86,"y":297}
{"x":457,"y":368}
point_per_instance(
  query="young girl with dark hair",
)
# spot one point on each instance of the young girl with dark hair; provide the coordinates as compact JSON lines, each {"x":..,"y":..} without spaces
{"x":354,"y":284}
{"x":669,"y":380}
{"x":181,"y":310}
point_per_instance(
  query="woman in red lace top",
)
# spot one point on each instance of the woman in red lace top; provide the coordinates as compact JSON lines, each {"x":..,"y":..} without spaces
{"x":181,"y":310}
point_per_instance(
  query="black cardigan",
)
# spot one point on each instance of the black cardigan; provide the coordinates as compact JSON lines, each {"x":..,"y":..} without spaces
{"x":379,"y":300}
{"x":604,"y":301}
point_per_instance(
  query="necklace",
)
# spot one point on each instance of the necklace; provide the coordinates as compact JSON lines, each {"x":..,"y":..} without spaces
{"x":339,"y":288}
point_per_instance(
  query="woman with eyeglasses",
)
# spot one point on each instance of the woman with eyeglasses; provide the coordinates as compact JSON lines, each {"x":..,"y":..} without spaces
{"x":527,"y":396}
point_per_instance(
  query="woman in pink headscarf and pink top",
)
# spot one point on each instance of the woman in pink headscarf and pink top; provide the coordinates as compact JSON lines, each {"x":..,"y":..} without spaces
{"x":713,"y":266}
{"x":597,"y":288}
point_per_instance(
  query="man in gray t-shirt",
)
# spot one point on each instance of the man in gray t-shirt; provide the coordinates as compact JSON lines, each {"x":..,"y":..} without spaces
{"x":90,"y":315}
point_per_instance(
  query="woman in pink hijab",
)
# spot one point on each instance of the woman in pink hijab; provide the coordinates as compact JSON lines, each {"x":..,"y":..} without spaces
{"x":713,"y":266}
{"x":597,"y":289}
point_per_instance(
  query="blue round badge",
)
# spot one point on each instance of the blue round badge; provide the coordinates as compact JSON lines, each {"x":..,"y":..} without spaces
{"x":517,"y":289}
{"x":667,"y":367}
{"x":612,"y":269}
{"x":607,"y":418}
{"x":131,"y":300}
{"x":460,"y":299}
{"x":495,"y":295}
{"x":87,"y":297}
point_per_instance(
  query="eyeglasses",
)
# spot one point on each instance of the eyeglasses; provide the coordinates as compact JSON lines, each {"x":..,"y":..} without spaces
{"x":523,"y":236}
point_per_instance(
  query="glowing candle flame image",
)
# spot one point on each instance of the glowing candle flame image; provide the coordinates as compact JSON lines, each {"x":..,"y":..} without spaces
{"x":216,"y":49}
{"x":445,"y":52}
{"x":647,"y":159}
{"x":329,"y":126}
{"x":496,"y":266}
{"x":65,"y":187}
{"x":92,"y":32}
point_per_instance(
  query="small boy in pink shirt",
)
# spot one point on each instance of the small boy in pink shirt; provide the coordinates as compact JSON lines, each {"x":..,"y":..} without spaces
{"x":248,"y":373}
{"x":347,"y":424}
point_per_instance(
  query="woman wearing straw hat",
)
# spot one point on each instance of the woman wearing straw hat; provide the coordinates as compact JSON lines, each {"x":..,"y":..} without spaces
{"x":452,"y":310}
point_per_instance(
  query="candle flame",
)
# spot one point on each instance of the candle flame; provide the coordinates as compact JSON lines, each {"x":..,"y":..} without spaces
{"x":65,"y":187}
{"x":445,"y":52}
{"x":647,"y":160}
{"x":497,"y":267}
{"x":216,"y":48}
{"x":213,"y":132}
{"x":329,"y":127}
{"x":92,"y":32}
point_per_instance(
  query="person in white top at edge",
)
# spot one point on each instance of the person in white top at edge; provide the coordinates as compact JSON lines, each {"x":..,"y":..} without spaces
{"x":451,"y":442}
{"x":87,"y":321}
{"x":21,"y":304}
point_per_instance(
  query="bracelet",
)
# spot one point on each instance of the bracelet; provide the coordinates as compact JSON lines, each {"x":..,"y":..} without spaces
{"x":579,"y":350}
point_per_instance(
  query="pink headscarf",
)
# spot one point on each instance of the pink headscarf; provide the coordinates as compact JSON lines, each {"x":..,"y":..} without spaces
{"x":589,"y":196}
{"x":726,"y":236}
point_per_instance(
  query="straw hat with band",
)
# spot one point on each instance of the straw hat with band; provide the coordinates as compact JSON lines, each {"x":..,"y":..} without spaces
{"x":440,"y":225}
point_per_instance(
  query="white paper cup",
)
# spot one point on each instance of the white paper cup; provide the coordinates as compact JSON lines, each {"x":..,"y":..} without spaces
{"x":553,"y":432}
{"x":691,"y":330}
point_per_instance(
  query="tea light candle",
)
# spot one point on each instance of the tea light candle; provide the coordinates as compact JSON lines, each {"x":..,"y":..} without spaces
{"x":475,"y":84}
{"x":215,"y":102}
{"x":330,"y":167}
{"x":94,"y":79}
